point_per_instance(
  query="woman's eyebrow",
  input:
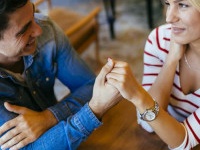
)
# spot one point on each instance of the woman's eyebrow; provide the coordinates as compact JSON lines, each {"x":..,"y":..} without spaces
{"x":176,"y":1}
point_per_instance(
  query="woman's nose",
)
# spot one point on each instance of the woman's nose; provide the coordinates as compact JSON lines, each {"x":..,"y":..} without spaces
{"x":171,"y":15}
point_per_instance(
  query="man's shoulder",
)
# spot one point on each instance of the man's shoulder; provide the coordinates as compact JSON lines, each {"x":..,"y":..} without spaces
{"x":51,"y":32}
{"x":41,"y":16}
{"x":43,"y":21}
{"x":48,"y":29}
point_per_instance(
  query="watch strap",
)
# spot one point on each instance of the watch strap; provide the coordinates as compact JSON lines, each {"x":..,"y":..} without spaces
{"x":154,"y":109}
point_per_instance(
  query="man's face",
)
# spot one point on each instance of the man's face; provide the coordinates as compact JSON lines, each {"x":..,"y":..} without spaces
{"x":19,"y":39}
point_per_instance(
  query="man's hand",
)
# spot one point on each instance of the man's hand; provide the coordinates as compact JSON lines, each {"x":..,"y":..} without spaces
{"x":25,"y":128}
{"x":104,"y":95}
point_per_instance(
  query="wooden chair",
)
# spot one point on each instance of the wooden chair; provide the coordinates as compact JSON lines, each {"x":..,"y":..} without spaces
{"x":82,"y":30}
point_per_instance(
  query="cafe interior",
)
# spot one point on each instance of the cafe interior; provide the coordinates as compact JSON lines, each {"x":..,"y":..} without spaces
{"x":118,"y":29}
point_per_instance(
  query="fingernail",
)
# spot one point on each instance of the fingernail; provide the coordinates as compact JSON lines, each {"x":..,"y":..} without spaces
{"x":109,"y":62}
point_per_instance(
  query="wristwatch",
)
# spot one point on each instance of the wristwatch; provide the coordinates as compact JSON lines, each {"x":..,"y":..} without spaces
{"x":151,"y":113}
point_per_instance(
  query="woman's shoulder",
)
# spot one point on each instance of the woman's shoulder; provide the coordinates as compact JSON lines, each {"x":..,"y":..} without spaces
{"x":161,"y":35}
{"x":165,"y":27}
{"x":162,"y":31}
{"x":159,"y":39}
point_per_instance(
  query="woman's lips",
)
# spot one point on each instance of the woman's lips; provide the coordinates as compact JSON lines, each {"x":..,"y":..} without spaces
{"x":177,"y":30}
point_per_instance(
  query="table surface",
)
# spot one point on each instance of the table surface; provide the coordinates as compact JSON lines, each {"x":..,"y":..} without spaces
{"x":120,"y":131}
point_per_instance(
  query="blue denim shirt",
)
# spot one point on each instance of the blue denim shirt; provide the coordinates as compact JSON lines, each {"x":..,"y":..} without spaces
{"x":54,"y":58}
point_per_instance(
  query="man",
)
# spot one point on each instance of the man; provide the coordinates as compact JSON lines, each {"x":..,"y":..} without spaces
{"x":33,"y":52}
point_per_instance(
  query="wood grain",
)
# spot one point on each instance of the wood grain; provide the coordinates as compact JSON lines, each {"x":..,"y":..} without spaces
{"x":120,"y":131}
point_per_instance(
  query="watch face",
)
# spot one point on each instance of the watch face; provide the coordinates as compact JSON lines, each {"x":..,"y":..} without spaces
{"x":151,"y":113}
{"x":150,"y":116}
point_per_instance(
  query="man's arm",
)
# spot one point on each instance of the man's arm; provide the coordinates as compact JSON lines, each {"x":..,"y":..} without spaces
{"x":74,"y":73}
{"x":77,"y":127}
{"x":66,"y":134}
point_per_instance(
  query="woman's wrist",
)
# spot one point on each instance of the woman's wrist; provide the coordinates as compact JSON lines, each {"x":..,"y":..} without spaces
{"x":171,"y":63}
{"x":143,"y":101}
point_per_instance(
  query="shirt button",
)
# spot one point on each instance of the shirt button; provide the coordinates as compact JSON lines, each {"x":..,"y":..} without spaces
{"x":34,"y":92}
{"x":47,"y":79}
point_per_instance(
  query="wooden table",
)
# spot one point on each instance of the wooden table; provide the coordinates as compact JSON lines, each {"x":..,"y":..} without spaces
{"x":120,"y":131}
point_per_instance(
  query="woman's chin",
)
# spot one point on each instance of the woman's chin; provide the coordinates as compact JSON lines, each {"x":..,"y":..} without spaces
{"x":180,"y":40}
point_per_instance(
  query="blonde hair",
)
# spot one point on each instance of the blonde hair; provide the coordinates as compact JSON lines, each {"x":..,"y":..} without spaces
{"x":195,"y":3}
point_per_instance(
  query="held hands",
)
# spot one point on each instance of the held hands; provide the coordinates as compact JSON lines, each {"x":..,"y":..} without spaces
{"x":122,"y":78}
{"x":104,"y":95}
{"x":25,"y":128}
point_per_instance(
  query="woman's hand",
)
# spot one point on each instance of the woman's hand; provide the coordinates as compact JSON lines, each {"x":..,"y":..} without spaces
{"x":123,"y":79}
{"x":176,"y":51}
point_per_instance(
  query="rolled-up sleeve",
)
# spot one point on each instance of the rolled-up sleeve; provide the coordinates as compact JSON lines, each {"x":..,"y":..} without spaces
{"x":68,"y":134}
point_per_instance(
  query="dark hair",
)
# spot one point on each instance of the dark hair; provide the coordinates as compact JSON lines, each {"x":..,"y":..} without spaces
{"x":7,"y":7}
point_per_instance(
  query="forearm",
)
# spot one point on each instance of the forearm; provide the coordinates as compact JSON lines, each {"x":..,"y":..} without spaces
{"x":68,"y":134}
{"x":167,"y":128}
{"x":74,"y":102}
{"x":161,"y":88}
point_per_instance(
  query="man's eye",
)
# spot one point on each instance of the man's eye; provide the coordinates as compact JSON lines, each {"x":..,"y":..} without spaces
{"x":23,"y":31}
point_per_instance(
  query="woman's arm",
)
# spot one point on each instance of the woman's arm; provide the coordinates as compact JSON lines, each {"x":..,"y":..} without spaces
{"x":161,"y":58}
{"x":170,"y":130}
{"x":161,"y":88}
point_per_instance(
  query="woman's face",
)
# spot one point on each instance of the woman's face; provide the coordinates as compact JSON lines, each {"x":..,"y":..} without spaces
{"x":185,"y":20}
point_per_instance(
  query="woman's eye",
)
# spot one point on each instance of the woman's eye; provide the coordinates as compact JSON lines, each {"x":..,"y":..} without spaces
{"x":166,"y":3}
{"x":183,"y":5}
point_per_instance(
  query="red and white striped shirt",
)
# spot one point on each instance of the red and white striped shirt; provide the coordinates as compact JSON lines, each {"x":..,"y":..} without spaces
{"x":185,"y":108}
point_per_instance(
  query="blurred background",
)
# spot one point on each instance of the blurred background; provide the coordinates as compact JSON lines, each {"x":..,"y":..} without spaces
{"x":118,"y":29}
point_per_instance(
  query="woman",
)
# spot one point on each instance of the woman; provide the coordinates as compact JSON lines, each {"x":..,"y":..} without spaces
{"x":171,"y":77}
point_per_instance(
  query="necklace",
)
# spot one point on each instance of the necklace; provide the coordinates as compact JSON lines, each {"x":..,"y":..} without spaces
{"x":189,"y":66}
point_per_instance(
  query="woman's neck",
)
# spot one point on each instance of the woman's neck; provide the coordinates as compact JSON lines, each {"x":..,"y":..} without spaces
{"x":194,"y":48}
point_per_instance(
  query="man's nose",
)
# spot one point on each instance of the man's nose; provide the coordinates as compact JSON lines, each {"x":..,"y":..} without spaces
{"x":36,"y":30}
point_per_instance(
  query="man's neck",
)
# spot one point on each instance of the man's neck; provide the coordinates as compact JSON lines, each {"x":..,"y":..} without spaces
{"x":12,"y":64}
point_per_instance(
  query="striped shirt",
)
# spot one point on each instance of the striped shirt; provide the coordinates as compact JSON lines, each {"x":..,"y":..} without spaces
{"x":185,"y":108}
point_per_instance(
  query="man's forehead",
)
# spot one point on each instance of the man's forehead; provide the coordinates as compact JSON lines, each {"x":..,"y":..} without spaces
{"x":21,"y":16}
